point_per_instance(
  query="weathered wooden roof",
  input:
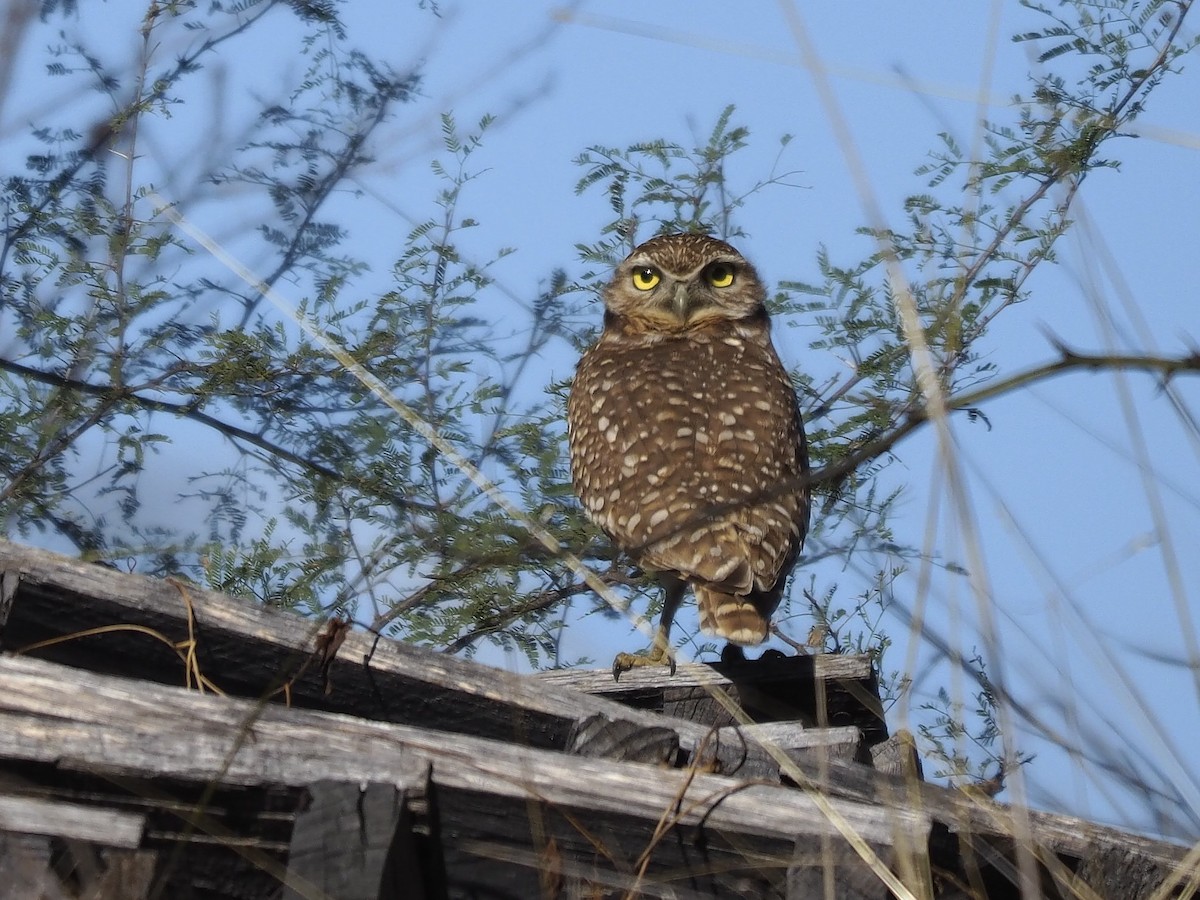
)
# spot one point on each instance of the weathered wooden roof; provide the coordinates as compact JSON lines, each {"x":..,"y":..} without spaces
{"x":414,"y":774}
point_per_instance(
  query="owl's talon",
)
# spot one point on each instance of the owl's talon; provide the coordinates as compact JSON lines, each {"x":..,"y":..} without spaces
{"x":656,"y":656}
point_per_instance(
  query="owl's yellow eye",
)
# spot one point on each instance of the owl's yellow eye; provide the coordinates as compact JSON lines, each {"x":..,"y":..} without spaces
{"x":645,"y":278}
{"x":719,"y":275}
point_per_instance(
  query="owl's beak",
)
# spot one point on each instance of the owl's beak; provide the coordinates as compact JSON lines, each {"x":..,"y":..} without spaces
{"x":681,"y":301}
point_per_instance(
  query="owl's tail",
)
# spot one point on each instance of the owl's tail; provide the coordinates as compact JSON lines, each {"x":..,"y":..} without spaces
{"x":738,"y":619}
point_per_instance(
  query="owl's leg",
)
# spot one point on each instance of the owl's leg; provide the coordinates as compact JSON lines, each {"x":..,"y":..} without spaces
{"x":659,"y":653}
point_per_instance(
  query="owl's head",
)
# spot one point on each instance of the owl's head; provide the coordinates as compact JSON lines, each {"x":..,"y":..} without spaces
{"x":678,"y":282}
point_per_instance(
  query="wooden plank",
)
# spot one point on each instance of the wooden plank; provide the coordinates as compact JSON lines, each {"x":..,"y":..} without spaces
{"x":356,"y":842}
{"x":1066,"y":835}
{"x":9,"y":579}
{"x":127,"y":875}
{"x":49,"y":713}
{"x":970,"y":815}
{"x":749,"y":751}
{"x":250,"y":650}
{"x":25,"y":869}
{"x":823,"y":869}
{"x":815,"y":691}
{"x":34,"y":815}
{"x":594,"y":855}
{"x":898,"y":756}
{"x":754,"y":751}
{"x":838,"y":743}
{"x":603,"y":738}
{"x":1118,"y":872}
{"x":99,"y":865}
{"x":825,"y":667}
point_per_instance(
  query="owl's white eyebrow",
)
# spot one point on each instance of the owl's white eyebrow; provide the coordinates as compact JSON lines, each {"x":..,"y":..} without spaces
{"x":645,"y":262}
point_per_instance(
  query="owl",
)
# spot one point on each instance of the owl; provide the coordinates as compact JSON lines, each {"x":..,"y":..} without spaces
{"x":686,"y":442}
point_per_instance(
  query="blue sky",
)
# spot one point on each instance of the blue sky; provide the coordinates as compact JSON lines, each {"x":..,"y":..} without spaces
{"x":1084,"y":492}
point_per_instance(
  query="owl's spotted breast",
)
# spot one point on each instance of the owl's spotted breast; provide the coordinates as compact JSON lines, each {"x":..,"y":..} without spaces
{"x":679,"y":452}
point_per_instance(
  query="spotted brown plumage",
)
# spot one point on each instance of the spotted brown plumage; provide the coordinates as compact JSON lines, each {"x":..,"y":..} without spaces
{"x":687,"y":446}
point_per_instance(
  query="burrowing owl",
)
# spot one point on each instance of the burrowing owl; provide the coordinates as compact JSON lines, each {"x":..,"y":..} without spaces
{"x":687,"y":446}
